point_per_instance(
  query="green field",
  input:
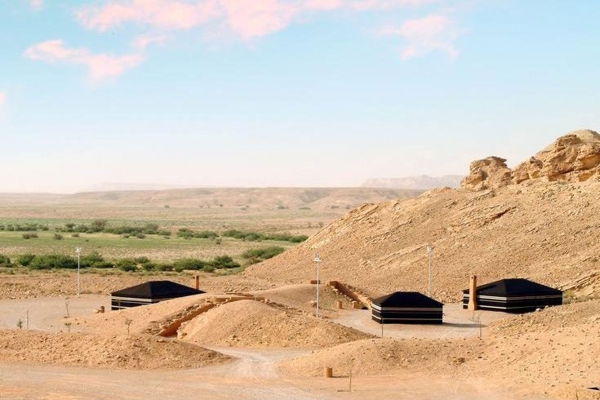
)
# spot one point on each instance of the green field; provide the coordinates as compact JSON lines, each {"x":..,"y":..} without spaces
{"x":111,"y":246}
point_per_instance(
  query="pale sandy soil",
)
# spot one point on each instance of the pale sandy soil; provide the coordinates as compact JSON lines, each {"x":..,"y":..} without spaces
{"x":547,"y":354}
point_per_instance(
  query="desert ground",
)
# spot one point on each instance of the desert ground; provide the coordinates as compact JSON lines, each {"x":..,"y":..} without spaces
{"x":254,"y":334}
{"x":277,"y":349}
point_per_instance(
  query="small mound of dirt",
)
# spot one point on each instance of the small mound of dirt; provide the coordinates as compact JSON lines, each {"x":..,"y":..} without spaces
{"x":374,"y":356}
{"x":249,"y":323}
{"x":126,"y":352}
{"x":551,"y":318}
{"x":302,"y":297}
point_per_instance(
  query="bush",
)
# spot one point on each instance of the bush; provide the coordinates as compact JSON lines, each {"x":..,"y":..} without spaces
{"x":5,"y":261}
{"x":93,"y":260}
{"x":224,"y":262}
{"x":53,"y":261}
{"x":25,"y":259}
{"x":188,"y":263}
{"x":126,"y":264}
{"x":30,"y":235}
{"x":163,"y":267}
{"x":206,"y":235}
{"x":257,"y":255}
{"x":148,"y":266}
{"x":57,"y":236}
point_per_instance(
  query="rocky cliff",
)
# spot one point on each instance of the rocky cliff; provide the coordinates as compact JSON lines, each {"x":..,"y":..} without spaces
{"x":571,"y":158}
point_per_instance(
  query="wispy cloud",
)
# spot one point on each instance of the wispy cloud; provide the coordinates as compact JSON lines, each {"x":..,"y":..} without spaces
{"x":2,"y":99}
{"x":36,"y":4}
{"x":246,"y":18}
{"x":143,"y":41}
{"x":424,"y":35}
{"x":100,"y":66}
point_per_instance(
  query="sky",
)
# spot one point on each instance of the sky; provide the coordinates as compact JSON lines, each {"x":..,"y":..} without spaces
{"x":290,"y":93}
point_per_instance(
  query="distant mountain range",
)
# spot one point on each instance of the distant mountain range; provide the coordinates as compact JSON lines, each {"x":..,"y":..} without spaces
{"x":421,"y":182}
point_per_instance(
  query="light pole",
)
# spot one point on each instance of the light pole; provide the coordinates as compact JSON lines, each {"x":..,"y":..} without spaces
{"x":317,"y":261}
{"x":78,"y":251}
{"x":429,"y":251}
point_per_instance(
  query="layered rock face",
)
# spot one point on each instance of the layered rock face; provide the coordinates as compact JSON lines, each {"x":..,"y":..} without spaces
{"x":571,"y":158}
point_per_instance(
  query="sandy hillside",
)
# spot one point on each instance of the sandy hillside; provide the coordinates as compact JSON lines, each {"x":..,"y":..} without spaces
{"x":544,"y":230}
{"x":106,"y":351}
{"x":254,"y":324}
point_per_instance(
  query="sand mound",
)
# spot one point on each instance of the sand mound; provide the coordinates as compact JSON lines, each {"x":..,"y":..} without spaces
{"x":249,"y":323}
{"x":128,"y":352}
{"x":301,"y":297}
{"x":374,"y":356}
{"x":144,"y":319}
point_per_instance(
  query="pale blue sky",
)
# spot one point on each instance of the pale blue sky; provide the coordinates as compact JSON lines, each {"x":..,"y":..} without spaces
{"x":286,"y":92}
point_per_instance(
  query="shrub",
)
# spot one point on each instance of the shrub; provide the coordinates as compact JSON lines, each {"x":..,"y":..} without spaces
{"x":148,"y":266}
{"x":53,"y":261}
{"x":126,"y":264}
{"x":57,"y":236}
{"x":93,"y":260}
{"x":30,"y":235}
{"x":257,"y":255}
{"x":188,"y":263}
{"x":206,"y":235}
{"x":5,"y":261}
{"x":75,"y":235}
{"x":163,"y":267}
{"x":224,"y":262}
{"x":25,"y":259}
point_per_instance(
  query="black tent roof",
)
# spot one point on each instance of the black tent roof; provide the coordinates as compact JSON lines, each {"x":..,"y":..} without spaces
{"x":157,"y":290}
{"x":514,"y":287}
{"x":407,"y":299}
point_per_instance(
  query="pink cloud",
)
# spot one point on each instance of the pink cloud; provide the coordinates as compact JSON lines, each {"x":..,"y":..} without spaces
{"x":424,"y":35}
{"x":100,"y":66}
{"x":143,"y":41}
{"x":2,"y":99}
{"x":246,"y":18}
{"x":167,"y":14}
{"x":36,"y":4}
{"x":254,"y":18}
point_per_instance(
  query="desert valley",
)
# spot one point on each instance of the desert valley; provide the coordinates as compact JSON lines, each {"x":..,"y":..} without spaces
{"x":254,"y":333}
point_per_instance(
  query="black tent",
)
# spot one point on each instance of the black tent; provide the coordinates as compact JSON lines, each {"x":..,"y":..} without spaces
{"x":149,"y":293}
{"x":514,"y":296}
{"x":406,"y":308}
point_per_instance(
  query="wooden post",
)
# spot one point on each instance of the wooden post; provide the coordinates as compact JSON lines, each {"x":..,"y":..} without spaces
{"x":472,"y":293}
{"x":197,"y":282}
{"x":328,"y":372}
{"x":339,"y":304}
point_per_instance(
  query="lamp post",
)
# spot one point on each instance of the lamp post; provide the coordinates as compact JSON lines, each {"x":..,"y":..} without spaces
{"x":429,"y":251}
{"x":78,"y":251}
{"x":318,"y":262}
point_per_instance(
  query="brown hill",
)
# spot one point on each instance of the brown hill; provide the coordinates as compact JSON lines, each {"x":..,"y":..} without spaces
{"x":264,"y":198}
{"x":546,"y":231}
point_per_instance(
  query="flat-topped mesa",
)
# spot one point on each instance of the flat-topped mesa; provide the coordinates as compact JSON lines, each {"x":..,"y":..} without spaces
{"x":571,"y":158}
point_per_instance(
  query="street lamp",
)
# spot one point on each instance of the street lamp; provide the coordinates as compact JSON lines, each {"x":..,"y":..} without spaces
{"x":317,"y":261}
{"x":78,"y":251}
{"x":429,"y":251}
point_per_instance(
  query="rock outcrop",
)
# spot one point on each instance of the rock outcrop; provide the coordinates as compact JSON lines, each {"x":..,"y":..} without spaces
{"x":571,"y":158}
{"x":491,"y":172}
